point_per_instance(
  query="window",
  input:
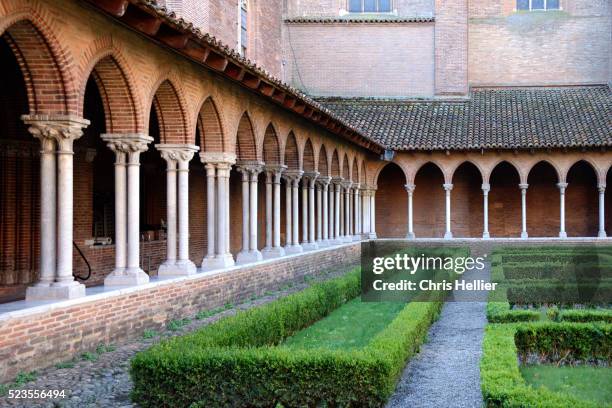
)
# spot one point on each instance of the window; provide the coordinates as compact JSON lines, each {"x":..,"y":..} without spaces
{"x":369,"y":6}
{"x":244,"y":39}
{"x":538,"y":5}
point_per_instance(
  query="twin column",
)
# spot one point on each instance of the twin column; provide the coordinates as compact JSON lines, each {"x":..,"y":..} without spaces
{"x":273,"y":247}
{"x":177,"y":158}
{"x":56,"y":134}
{"x":250,"y":173}
{"x":218,"y":166}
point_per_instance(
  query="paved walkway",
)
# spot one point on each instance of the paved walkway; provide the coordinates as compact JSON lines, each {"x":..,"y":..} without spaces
{"x":446,"y":374}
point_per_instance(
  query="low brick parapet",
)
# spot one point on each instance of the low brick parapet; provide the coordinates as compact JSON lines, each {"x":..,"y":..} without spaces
{"x":39,"y":336}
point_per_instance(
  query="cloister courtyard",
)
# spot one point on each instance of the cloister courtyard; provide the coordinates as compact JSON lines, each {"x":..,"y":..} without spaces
{"x":182,"y":222}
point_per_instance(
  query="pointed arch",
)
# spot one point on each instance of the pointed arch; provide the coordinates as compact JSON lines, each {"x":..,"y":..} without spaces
{"x":504,"y":200}
{"x":354,"y":171}
{"x":323,"y":166}
{"x":271,"y":146}
{"x":391,"y":202}
{"x":363,"y":176}
{"x":335,"y":164}
{"x":544,"y":164}
{"x":170,"y":113}
{"x":308,"y":157}
{"x":582,"y":200}
{"x":543,"y":206}
{"x":429,"y":201}
{"x":210,"y":127}
{"x":292,"y":158}
{"x":246,"y":147}
{"x":43,"y":64}
{"x":120,"y":109}
{"x":346,"y":171}
{"x":467,"y":212}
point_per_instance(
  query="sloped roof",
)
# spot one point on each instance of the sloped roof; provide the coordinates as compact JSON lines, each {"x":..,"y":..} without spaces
{"x":492,"y":118}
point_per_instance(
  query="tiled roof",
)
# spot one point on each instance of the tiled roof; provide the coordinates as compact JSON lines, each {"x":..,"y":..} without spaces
{"x":492,"y":118}
{"x":162,"y":25}
{"x":358,"y":18}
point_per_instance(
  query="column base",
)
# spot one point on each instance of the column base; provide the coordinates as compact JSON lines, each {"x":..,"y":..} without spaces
{"x":485,"y":235}
{"x":294,"y":249}
{"x":372,"y":235}
{"x":601,"y":234}
{"x":127,"y":277}
{"x":524,"y":235}
{"x":562,"y":234}
{"x":448,"y":235}
{"x":335,"y":241}
{"x":274,"y":252}
{"x":217,"y":262}
{"x":355,"y":238}
{"x":410,"y":235}
{"x":63,"y":291}
{"x":322,"y":243}
{"x":177,"y":268}
{"x":347,"y":238}
{"x":310,"y":246}
{"x":248,"y":257}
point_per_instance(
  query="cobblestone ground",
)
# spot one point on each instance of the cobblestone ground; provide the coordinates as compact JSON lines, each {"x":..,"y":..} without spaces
{"x":446,"y":373}
{"x":100,"y":378}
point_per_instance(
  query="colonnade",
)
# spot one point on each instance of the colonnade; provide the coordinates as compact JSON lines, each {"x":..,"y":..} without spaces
{"x":523,"y":187}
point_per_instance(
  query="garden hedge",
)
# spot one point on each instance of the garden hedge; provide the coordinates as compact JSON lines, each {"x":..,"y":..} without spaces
{"x":239,"y":361}
{"x":501,"y":381}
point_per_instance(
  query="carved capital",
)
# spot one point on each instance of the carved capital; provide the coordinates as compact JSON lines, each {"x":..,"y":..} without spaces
{"x":486,"y":187}
{"x":181,"y":153}
{"x":410,"y":187}
{"x":292,"y":175}
{"x":323,"y":180}
{"x":61,"y":129}
{"x":448,"y":186}
{"x":217,"y":157}
{"x":127,"y":142}
{"x":562,"y":186}
{"x":601,"y":188}
{"x":523,"y":186}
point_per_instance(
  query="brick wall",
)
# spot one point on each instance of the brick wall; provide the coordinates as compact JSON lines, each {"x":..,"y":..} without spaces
{"x":385,"y":60}
{"x":42,"y":336}
{"x":333,"y":7}
{"x":572,"y":46}
{"x":451,"y":42}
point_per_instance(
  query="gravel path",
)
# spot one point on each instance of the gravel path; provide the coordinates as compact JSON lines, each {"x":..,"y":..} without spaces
{"x":445,"y":374}
{"x":100,"y":378}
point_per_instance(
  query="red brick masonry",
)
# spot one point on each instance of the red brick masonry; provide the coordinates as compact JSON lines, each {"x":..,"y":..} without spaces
{"x":43,"y":335}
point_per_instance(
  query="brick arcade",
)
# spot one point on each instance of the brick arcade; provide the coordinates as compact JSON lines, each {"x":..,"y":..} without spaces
{"x":138,"y":150}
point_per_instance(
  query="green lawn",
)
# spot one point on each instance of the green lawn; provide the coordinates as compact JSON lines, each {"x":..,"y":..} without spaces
{"x":352,"y":325}
{"x":584,"y":382}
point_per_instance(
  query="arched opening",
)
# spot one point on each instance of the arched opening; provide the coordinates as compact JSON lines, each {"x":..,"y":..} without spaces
{"x":429,"y":202}
{"x":323,"y":167}
{"x":271,"y":157}
{"x":335,"y":165}
{"x":363,"y":176}
{"x":581,"y":201}
{"x":354,"y":172}
{"x":467,"y":202}
{"x":19,"y":183}
{"x":543,"y":201}
{"x":308,"y":158}
{"x":170,"y":114}
{"x":504,"y":202}
{"x":608,"y":203}
{"x":391,"y":203}
{"x":246,"y":152}
{"x":346,"y":171}
{"x":210,"y":135}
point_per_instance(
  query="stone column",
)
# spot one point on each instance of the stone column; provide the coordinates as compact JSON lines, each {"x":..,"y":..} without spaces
{"x":337,"y":191}
{"x":331,"y":213}
{"x":177,"y":157}
{"x":211,"y":176}
{"x":372,"y":213}
{"x":410,"y":190}
{"x":56,"y":180}
{"x":288,"y":213}
{"x":485,"y":195}
{"x":562,"y":187}
{"x":250,"y":252}
{"x":273,"y":248}
{"x":448,"y":187}
{"x":319,"y":215}
{"x":218,"y":165}
{"x":293,"y":181}
{"x":127,"y":148}
{"x":523,"y":187}
{"x":602,"y":211}
{"x":308,"y":210}
{"x":357,"y":213}
{"x":347,"y":211}
{"x":366,"y":212}
{"x":324,"y":183}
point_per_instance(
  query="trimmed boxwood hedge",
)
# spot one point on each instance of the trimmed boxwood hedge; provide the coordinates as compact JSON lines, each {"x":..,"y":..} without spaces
{"x":239,"y":361}
{"x":501,"y":381}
